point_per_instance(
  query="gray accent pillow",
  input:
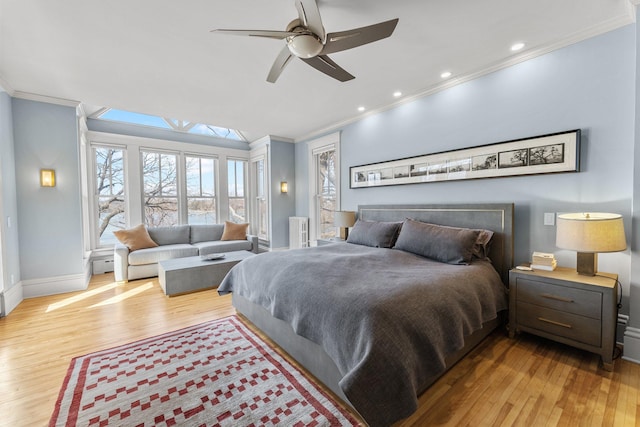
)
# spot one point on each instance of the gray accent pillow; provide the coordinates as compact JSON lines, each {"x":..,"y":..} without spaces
{"x":451,"y":245}
{"x":483,"y":244}
{"x":374,"y":233}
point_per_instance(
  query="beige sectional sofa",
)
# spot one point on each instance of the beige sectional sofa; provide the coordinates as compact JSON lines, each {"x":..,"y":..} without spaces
{"x":175,"y":242}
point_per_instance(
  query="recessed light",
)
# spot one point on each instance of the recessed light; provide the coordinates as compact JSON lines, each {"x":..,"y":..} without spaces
{"x":397,"y":94}
{"x":361,"y":109}
{"x":516,"y":47}
{"x":446,"y":74}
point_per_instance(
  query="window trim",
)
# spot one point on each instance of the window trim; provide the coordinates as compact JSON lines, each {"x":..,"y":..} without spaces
{"x":258,"y":154}
{"x":315,"y":147}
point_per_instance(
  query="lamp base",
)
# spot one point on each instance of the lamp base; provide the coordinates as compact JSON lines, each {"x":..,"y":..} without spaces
{"x":587,"y":263}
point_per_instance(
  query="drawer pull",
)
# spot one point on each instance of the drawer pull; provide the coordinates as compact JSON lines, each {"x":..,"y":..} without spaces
{"x":557,"y":298}
{"x":553,"y":322}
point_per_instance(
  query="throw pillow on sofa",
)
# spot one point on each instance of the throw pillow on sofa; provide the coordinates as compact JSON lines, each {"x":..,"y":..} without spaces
{"x":135,"y":238}
{"x":233,"y":231}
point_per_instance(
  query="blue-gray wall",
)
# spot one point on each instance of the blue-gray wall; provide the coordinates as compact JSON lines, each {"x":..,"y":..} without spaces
{"x":282,"y":168}
{"x":589,"y":85}
{"x":9,"y":234}
{"x":46,"y":136}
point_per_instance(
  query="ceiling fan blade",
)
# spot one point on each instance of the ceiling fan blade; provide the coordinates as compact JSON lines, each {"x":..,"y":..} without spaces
{"x":257,"y":33}
{"x":344,"y":40}
{"x":310,"y":17}
{"x":326,"y":65}
{"x":281,"y":61}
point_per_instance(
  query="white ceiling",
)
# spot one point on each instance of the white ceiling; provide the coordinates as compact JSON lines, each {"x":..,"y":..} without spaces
{"x":158,"y":56}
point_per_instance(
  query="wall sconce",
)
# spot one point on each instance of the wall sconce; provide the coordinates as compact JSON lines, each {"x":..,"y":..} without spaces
{"x":47,"y":178}
{"x":588,"y":234}
{"x":284,"y":187}
{"x":344,"y":220}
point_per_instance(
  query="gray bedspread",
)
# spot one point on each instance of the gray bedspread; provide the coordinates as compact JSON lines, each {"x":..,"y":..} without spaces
{"x":386,"y":317}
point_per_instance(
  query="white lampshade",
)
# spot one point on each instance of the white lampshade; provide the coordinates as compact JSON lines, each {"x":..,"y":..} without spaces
{"x":591,"y":232}
{"x":588,"y":234}
{"x":344,"y":218}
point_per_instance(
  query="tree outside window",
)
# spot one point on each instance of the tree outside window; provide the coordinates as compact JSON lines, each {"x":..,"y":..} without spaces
{"x":109,"y":192}
{"x":159,"y":176}
{"x":326,"y":193}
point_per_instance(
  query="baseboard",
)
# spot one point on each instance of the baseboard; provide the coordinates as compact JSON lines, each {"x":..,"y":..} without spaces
{"x":55,"y":285}
{"x":12,"y":297}
{"x":631,"y":345}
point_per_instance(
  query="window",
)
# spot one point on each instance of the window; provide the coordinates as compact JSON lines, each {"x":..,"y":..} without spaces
{"x":160,"y":183}
{"x":261,"y":207}
{"x":324,"y":185}
{"x":326,"y":193}
{"x":237,"y":202}
{"x":201,"y":195}
{"x":123,"y":116}
{"x":109,"y":193}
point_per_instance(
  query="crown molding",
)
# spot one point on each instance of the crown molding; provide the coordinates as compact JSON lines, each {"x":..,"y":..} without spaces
{"x":6,"y":87}
{"x":44,"y":98}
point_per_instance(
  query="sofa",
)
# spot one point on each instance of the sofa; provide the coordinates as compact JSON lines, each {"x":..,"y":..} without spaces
{"x":175,"y":242}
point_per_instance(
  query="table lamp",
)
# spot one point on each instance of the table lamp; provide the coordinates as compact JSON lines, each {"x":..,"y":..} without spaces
{"x":588,"y":234}
{"x":344,"y":220}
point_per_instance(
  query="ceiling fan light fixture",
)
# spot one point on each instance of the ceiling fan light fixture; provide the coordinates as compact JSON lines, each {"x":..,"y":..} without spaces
{"x":304,"y":45}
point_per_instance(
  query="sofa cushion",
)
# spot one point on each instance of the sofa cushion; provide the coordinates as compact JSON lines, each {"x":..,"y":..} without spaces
{"x":206,"y":233}
{"x":153,"y":255}
{"x":135,"y":238}
{"x":170,"y":235}
{"x":207,"y":248}
{"x":233,"y":231}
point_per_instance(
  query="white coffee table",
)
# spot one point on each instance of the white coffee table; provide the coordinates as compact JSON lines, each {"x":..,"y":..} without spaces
{"x":182,"y":275}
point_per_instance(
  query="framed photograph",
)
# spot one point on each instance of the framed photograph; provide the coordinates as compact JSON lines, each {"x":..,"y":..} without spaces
{"x":554,"y":153}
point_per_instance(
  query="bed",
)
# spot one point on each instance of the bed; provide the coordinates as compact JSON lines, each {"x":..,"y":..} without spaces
{"x":378,"y":325}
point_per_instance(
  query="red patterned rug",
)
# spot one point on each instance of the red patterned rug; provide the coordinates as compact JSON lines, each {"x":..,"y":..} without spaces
{"x":219,"y":373}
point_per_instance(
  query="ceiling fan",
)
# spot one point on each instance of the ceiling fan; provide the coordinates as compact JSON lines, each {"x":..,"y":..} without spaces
{"x":307,"y":39}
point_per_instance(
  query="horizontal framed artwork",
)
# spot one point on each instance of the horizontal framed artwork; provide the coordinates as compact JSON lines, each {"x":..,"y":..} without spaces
{"x":554,"y":153}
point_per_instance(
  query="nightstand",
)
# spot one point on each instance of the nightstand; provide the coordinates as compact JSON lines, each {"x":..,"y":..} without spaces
{"x":564,"y":306}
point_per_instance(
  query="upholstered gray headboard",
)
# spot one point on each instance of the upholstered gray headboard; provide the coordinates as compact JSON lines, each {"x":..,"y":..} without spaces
{"x":497,"y":217}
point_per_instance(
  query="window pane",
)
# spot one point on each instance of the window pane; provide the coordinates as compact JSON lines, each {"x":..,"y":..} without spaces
{"x":193,"y":176}
{"x":208,"y":177}
{"x":110,"y":218}
{"x":109,"y":193}
{"x":237,"y":211}
{"x":327,"y":210}
{"x":202,"y":211}
{"x":262,"y":218}
{"x":161,"y":211}
{"x":160,"y":189}
{"x":326,"y":194}
{"x":136,"y":118}
{"x":168,"y":175}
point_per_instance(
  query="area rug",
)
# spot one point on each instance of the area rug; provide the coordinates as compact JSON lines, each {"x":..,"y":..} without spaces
{"x":219,"y":373}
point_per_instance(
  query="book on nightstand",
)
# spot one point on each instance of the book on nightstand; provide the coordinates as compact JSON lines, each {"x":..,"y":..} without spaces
{"x":543,"y":261}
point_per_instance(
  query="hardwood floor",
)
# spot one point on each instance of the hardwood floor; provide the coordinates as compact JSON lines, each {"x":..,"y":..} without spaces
{"x":526,"y":381}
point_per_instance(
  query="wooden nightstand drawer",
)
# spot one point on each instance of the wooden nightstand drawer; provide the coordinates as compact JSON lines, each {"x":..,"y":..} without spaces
{"x":566,"y":307}
{"x":579,"y":328}
{"x":577,"y":301}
